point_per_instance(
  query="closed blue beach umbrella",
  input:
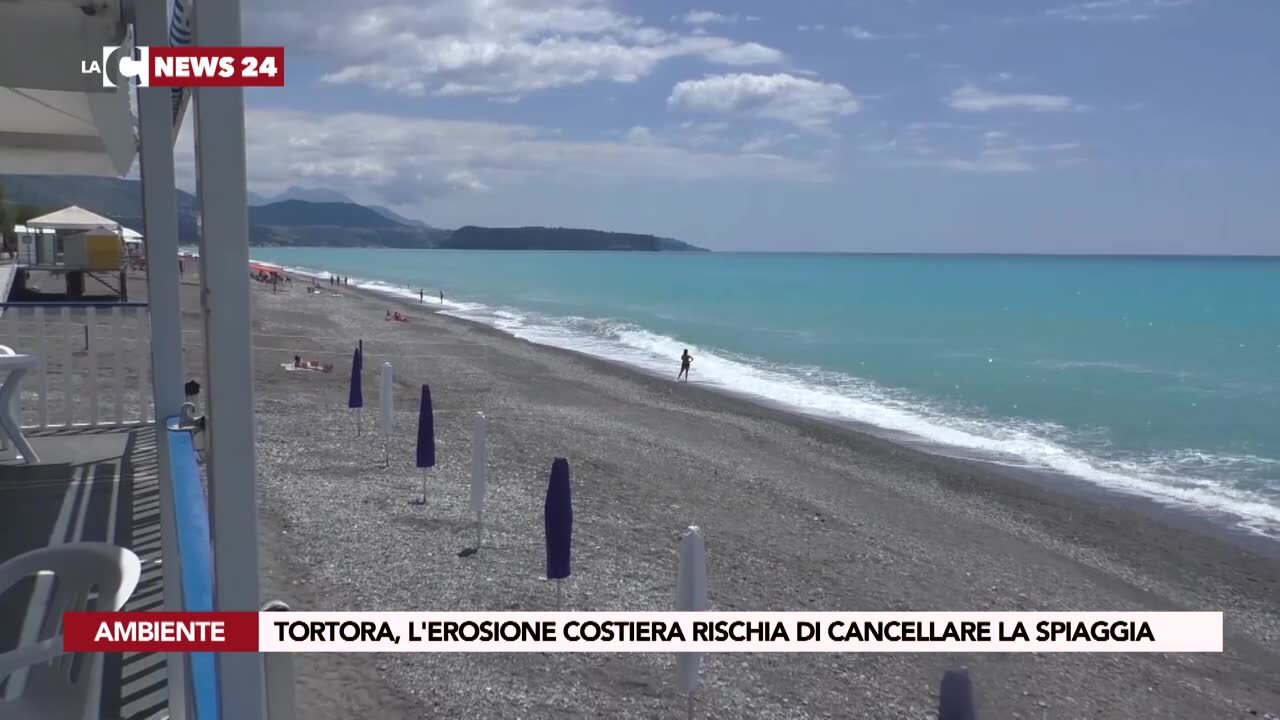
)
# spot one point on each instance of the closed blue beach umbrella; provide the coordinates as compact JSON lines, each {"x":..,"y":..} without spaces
{"x":955,"y":698}
{"x":355,"y":395}
{"x":426,"y":454}
{"x":558,"y":516}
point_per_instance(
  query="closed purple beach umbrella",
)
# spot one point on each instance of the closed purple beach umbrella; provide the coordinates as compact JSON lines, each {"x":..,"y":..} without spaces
{"x":558,"y":516}
{"x":426,"y":453}
{"x":955,"y":698}
{"x":355,"y":395}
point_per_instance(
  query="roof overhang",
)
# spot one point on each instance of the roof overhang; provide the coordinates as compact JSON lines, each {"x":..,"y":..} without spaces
{"x":53,"y":118}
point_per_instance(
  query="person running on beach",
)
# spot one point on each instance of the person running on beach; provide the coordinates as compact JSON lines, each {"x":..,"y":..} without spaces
{"x":685,"y":361}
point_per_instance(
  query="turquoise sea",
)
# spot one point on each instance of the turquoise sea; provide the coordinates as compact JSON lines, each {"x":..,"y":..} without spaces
{"x":1153,"y":376}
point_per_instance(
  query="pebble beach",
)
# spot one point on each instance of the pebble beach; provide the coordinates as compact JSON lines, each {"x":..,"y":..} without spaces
{"x":798,"y":514}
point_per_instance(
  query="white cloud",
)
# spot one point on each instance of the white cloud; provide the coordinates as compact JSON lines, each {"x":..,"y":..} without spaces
{"x":1114,"y":10}
{"x":398,"y":160}
{"x":970,"y":98}
{"x":707,"y":17}
{"x":482,"y":47}
{"x":966,"y":148}
{"x":860,"y":33}
{"x":744,"y":54}
{"x":640,"y":135}
{"x":1001,"y":154}
{"x":811,"y":28}
{"x":767,"y":142}
{"x":806,"y":103}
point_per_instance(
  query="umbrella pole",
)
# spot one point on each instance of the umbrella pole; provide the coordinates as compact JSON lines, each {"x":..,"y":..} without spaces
{"x":479,"y":527}
{"x":424,"y":486}
{"x":386,"y":452}
{"x":689,"y":707}
{"x":557,"y":593}
{"x":357,"y":422}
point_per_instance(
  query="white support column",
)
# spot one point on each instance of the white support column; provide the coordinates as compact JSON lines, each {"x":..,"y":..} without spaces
{"x":160,"y":214}
{"x":224,"y":276}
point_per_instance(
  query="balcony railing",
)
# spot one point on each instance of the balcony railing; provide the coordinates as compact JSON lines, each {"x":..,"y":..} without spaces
{"x":95,"y":362}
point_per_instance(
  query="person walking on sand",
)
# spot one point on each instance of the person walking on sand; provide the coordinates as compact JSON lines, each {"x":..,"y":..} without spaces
{"x":419,"y":296}
{"x":685,"y":361}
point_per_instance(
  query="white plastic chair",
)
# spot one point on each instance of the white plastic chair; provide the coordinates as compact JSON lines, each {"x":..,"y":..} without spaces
{"x":17,"y":365}
{"x":51,"y":691}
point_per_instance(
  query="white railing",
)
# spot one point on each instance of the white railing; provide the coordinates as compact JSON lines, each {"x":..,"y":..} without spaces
{"x":95,"y":366}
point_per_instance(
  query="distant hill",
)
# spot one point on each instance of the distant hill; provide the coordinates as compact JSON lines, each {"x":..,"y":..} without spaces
{"x":544,"y":238}
{"x":298,"y":222}
{"x":315,"y":195}
{"x":295,"y":213}
{"x":384,"y":212}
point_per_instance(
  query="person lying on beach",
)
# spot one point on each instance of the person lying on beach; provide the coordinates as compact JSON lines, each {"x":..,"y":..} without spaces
{"x":685,"y":361}
{"x":301,"y":364}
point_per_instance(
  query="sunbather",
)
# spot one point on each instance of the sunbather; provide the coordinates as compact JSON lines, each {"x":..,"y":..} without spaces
{"x":301,"y":364}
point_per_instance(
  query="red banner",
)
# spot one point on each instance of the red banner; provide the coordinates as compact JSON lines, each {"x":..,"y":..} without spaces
{"x":160,"y":632}
{"x":216,"y":66}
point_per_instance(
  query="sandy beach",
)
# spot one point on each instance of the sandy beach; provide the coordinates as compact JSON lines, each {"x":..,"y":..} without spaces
{"x":798,"y":513}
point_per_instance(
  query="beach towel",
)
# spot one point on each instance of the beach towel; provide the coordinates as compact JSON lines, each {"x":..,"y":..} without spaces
{"x":290,"y":367}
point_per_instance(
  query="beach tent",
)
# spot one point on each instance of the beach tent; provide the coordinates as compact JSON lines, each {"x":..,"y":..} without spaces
{"x":54,"y":119}
{"x":73,"y":218}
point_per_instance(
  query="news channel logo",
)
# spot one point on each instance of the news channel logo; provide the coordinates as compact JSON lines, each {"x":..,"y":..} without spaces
{"x":119,"y":63}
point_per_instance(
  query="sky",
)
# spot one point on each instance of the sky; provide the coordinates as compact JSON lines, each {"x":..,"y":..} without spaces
{"x":825,"y":125}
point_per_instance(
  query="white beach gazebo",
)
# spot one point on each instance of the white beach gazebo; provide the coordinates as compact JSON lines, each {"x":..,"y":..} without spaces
{"x":55,"y":120}
{"x":72,"y":218}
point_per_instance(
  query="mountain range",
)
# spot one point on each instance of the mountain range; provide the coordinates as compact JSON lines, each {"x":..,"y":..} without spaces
{"x":316,"y":217}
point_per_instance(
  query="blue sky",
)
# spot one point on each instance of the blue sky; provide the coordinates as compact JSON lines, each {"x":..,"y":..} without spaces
{"x":847,"y":125}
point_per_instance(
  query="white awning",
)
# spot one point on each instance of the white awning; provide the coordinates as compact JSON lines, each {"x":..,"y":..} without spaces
{"x":53,"y":118}
{"x":73,"y":218}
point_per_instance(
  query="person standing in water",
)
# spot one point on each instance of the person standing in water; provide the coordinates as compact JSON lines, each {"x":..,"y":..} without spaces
{"x":685,"y":361}
{"x":441,"y":297}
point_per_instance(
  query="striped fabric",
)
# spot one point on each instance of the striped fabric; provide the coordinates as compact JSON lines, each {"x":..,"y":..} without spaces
{"x":180,"y":34}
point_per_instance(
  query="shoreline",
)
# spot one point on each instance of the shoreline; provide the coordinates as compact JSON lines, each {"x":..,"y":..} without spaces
{"x":799,"y":514}
{"x":1223,"y":525}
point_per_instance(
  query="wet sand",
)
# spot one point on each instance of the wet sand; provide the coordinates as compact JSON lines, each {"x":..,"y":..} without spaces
{"x":799,"y":514}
